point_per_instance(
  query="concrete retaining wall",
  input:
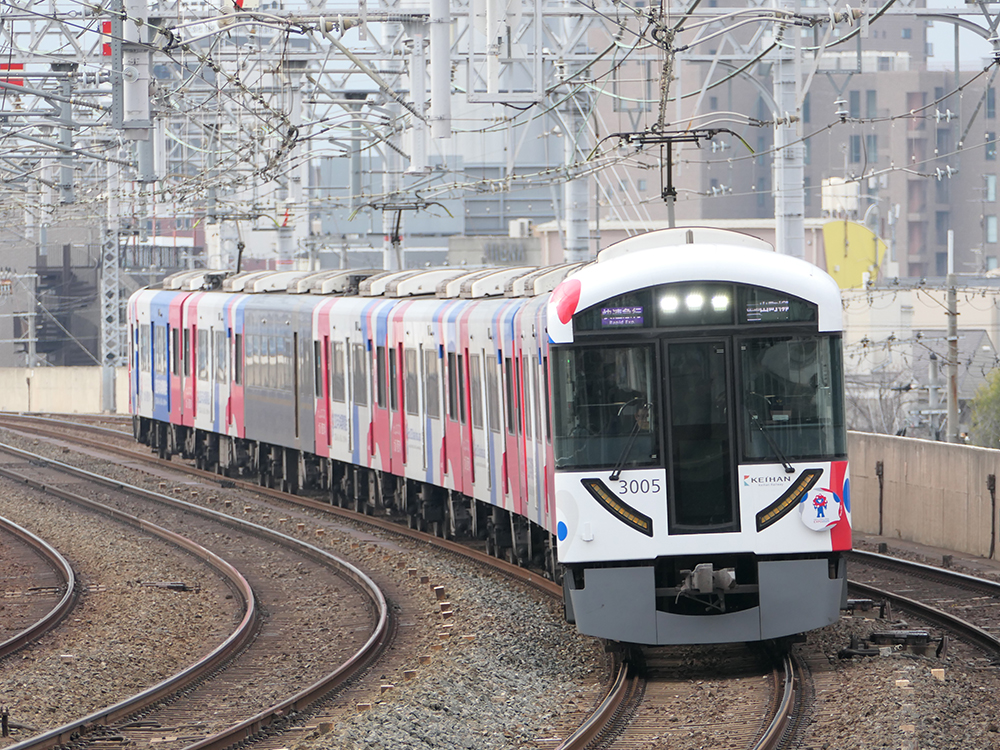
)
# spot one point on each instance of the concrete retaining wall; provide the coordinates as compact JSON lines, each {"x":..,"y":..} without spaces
{"x":61,"y":390}
{"x":931,"y":493}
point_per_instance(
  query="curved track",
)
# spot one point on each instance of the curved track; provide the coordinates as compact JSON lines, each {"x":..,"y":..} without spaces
{"x":61,"y":581}
{"x":95,"y":726}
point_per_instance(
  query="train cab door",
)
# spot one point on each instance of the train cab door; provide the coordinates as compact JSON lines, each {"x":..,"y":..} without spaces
{"x":700,"y":439}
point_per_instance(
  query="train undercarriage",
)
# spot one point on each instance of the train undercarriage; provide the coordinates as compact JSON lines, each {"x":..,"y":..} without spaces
{"x":438,"y":511}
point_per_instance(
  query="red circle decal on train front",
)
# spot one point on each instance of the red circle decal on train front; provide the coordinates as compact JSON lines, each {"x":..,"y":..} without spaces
{"x":566,"y":297}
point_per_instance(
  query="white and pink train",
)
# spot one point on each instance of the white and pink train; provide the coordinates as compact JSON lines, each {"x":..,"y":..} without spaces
{"x":662,"y":429}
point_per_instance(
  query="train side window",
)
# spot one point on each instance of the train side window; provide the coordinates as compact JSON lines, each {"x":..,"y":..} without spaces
{"x":221,"y":352}
{"x":238,"y":359}
{"x":360,"y":375}
{"x":476,"y":390}
{"x":380,"y":376}
{"x":186,"y":354}
{"x":432,"y":384}
{"x":253,"y":355}
{"x":492,"y":395}
{"x":509,"y":393}
{"x":412,"y":379}
{"x":452,"y":387}
{"x":393,"y":381}
{"x":338,"y":391}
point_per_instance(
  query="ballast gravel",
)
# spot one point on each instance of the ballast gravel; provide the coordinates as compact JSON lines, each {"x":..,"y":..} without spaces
{"x":521,"y":670}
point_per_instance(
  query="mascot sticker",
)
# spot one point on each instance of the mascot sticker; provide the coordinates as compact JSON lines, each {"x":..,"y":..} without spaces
{"x":820,"y":509}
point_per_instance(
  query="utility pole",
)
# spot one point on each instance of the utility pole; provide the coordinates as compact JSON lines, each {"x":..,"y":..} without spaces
{"x":952,"y":425}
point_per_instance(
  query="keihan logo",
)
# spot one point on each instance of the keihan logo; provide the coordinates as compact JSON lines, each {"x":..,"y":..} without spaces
{"x":749,"y":481}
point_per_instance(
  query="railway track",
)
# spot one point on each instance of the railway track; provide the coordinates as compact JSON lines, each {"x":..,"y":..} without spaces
{"x":936,"y":595}
{"x":638,"y":697}
{"x":39,"y":587}
{"x":214,"y":690}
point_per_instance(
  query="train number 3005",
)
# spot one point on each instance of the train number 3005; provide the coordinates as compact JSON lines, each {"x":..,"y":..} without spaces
{"x":638,"y":486}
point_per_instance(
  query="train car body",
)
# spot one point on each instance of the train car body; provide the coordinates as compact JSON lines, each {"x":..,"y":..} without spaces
{"x":662,"y":428}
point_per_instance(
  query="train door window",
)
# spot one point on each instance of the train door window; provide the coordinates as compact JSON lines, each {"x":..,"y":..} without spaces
{"x":338,"y":390}
{"x":432,"y":384}
{"x":412,"y":380}
{"x":250,"y":348}
{"x":160,"y":352}
{"x":145,"y":346}
{"x":186,"y":355}
{"x":203,"y":359}
{"x":380,"y":376}
{"x":452,"y":387}
{"x":272,"y":362}
{"x":318,"y":378}
{"x":294,"y":373}
{"x":221,"y":357}
{"x":529,"y":406}
{"x":175,"y":367}
{"x":509,"y":393}
{"x":393,"y":380}
{"x":519,"y":405}
{"x":238,"y":359}
{"x":536,"y":398}
{"x":700,"y":442}
{"x":360,"y":375}
{"x":461,"y":388}
{"x":545,"y":400}
{"x":492,"y":394}
{"x":476,"y":390}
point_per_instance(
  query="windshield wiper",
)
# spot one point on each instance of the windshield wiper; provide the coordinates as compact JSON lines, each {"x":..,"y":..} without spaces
{"x":620,"y":464}
{"x":770,"y":441}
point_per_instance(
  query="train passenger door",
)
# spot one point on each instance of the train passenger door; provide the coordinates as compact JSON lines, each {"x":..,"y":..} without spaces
{"x":700,"y":437}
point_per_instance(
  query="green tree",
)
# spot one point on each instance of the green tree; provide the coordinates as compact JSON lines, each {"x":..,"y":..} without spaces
{"x":985,"y":430}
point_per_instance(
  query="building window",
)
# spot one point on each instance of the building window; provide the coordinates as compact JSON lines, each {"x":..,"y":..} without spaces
{"x":941,"y":263}
{"x":991,"y":103}
{"x":854,"y":104}
{"x":991,"y":262}
{"x":884,"y":63}
{"x":907,"y":33}
{"x":854,"y":155}
{"x":807,"y":152}
{"x":941,"y":224}
{"x":807,"y":192}
{"x":991,"y":229}
{"x":871,"y":148}
{"x":871,"y":103}
{"x":991,"y":146}
{"x":806,"y":109}
{"x":991,"y":188}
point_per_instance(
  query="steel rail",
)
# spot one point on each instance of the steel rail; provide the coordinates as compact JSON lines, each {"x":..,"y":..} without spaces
{"x":607,"y":712}
{"x":965,"y":629}
{"x":775,"y":731}
{"x":66,"y":602}
{"x":276,"y":714}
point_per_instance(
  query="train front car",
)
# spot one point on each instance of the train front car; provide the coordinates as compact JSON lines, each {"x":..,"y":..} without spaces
{"x":701,"y":477}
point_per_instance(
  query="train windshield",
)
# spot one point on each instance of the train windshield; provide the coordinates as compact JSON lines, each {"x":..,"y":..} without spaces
{"x":792,"y":398}
{"x":603,"y":407}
